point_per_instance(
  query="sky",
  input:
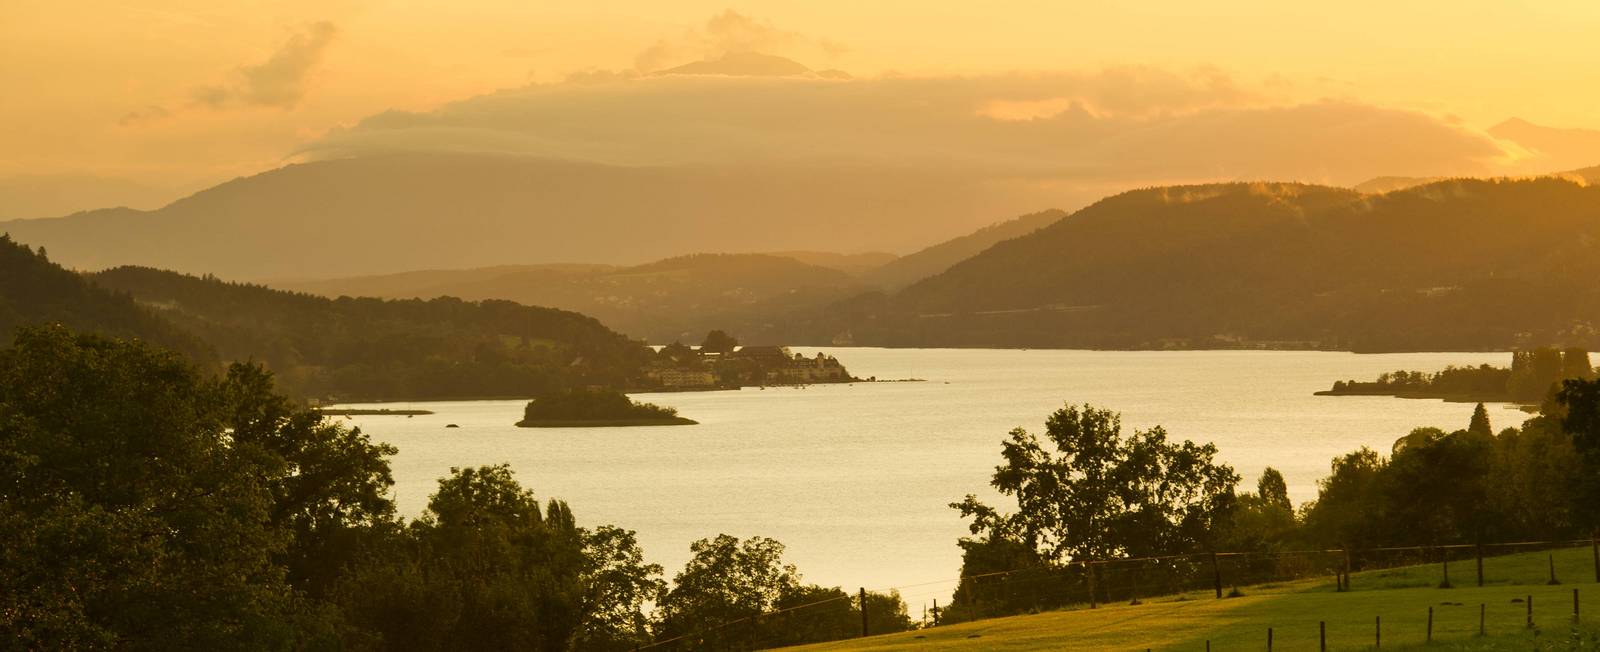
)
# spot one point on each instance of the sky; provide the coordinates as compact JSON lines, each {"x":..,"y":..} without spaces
{"x":140,"y":102}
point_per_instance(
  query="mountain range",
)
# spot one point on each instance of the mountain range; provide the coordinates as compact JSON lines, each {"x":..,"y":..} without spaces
{"x":1452,"y":265}
{"x":385,"y":214}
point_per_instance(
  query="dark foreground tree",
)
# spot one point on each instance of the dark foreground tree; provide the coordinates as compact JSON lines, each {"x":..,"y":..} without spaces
{"x":1087,"y":491}
{"x":740,"y":595}
{"x":147,"y":506}
{"x":144,"y":505}
{"x":487,"y":568}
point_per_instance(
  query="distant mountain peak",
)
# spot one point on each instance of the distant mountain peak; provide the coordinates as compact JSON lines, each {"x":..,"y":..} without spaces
{"x":751,"y":64}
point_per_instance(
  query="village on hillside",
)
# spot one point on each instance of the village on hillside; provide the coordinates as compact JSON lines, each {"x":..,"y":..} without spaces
{"x":721,"y":363}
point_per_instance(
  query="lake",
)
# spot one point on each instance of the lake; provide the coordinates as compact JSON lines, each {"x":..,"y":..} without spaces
{"x":856,"y":479}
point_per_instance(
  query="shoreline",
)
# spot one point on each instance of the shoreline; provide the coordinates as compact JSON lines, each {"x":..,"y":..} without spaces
{"x":606,"y":423}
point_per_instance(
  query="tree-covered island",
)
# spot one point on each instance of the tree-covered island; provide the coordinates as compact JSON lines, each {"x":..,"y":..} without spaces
{"x":1530,"y":379}
{"x":596,"y":407}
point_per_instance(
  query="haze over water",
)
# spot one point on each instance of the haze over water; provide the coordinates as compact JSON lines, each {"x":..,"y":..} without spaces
{"x":856,"y":479}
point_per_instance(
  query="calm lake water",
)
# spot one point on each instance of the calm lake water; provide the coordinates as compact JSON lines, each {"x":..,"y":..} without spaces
{"x":856,"y":479}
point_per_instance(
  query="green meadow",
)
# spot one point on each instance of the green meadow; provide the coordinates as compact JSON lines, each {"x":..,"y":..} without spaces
{"x":1294,"y":611}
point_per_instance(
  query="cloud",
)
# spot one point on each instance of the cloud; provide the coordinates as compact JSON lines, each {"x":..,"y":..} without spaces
{"x":730,"y":32}
{"x":279,"y":82}
{"x":1113,"y":127}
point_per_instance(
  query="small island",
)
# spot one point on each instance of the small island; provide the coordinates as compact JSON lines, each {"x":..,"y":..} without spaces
{"x":1528,"y":381}
{"x":596,"y":408}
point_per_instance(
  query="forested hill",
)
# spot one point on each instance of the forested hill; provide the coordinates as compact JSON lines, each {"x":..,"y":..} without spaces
{"x":679,"y":298}
{"x":388,"y":349}
{"x":1459,"y":264}
{"x":34,"y":290}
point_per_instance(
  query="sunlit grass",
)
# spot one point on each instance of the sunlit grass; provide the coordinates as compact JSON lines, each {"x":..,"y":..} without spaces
{"x":1401,"y":597}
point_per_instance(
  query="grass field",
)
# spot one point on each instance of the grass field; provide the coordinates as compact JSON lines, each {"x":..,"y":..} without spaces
{"x":1401,"y":597}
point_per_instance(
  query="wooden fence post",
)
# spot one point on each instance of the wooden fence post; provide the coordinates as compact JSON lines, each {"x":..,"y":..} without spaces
{"x":1483,"y":610}
{"x":1480,"y":563}
{"x":1594,"y":546}
{"x":1134,"y":582}
{"x":1269,"y":639}
{"x":1574,"y":605}
{"x":1445,"y":583}
{"x":1216,"y":574}
{"x":1530,"y":612}
{"x":1322,"y":636}
{"x":1430,"y":624}
{"x":1088,"y":568}
{"x":1377,"y":632}
{"x":864,"y":612}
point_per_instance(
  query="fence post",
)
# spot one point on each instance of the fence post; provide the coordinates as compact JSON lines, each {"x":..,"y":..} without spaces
{"x":1269,"y":639}
{"x":1445,"y":583}
{"x":1480,"y":563}
{"x":1322,"y":636}
{"x":1483,"y":610}
{"x":1430,"y":624}
{"x":1553,"y":581}
{"x":1347,"y":569}
{"x":1134,"y":582}
{"x":1574,"y":605}
{"x":1377,"y":632}
{"x":1216,"y":574}
{"x":863,"y":612}
{"x":1594,"y":546}
{"x":1530,"y":612}
{"x":1088,"y":568}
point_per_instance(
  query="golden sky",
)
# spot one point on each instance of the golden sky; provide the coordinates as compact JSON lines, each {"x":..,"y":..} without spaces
{"x":174,"y":95}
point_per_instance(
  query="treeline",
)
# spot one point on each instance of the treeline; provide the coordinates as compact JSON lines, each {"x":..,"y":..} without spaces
{"x":361,"y":348}
{"x":147,"y":505}
{"x":1087,"y":491}
{"x":34,"y":290}
{"x":1531,"y":378}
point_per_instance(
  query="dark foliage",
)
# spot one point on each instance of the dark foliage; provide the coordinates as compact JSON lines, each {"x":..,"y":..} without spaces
{"x":352,"y":349}
{"x":35,"y":291}
{"x":586,"y":404}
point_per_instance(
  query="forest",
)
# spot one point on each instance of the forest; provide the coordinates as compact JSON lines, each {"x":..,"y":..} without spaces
{"x":1085,"y":490}
{"x":352,"y":349}
{"x":148,"y":502}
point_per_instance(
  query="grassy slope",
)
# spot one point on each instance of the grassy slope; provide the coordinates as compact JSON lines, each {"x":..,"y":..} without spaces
{"x":1293,"y":610}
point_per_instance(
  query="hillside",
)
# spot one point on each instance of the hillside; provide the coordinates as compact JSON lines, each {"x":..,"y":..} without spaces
{"x":914,"y":267}
{"x":35,"y":291}
{"x":1455,"y":265}
{"x":1402,"y":598}
{"x":392,"y":213}
{"x":388,"y":350}
{"x":678,"y":298}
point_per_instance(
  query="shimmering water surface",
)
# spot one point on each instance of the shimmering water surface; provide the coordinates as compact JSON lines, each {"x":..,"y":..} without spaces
{"x":856,"y":479}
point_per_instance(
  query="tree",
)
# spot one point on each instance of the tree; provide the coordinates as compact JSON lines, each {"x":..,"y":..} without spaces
{"x":1101,"y":494}
{"x":718,"y":342}
{"x":1480,"y":422}
{"x":727,"y":580}
{"x":138,"y":516}
{"x":1579,"y":414}
{"x":1349,"y":510}
{"x":1274,"y":490}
